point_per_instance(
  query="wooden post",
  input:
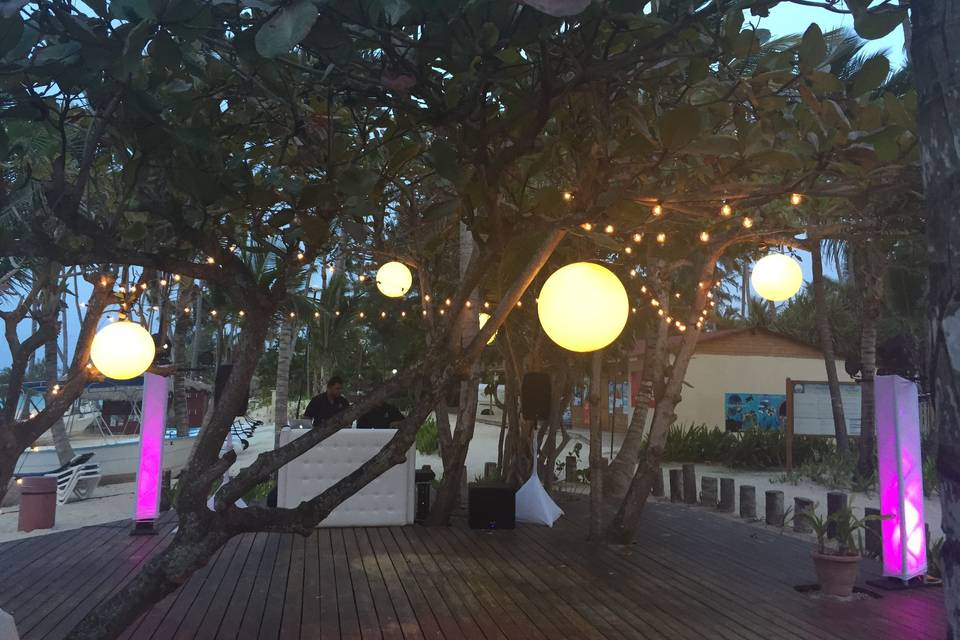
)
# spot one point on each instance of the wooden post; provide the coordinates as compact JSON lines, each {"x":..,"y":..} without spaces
{"x":774,"y":508}
{"x":676,"y":485}
{"x":873,"y":540}
{"x":788,"y":440}
{"x":748,"y":502}
{"x":570,"y":469}
{"x":489,"y":470}
{"x":836,"y":501}
{"x":727,"y":495}
{"x":658,"y":483}
{"x":708,"y":492}
{"x":802,"y":510}
{"x":690,"y":483}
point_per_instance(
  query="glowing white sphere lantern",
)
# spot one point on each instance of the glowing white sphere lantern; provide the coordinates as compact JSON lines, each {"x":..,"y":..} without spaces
{"x":483,"y":317}
{"x":776,"y":277}
{"x":583,"y":307}
{"x":394,"y":279}
{"x":122,"y":350}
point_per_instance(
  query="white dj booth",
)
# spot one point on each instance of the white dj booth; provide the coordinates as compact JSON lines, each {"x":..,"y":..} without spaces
{"x":388,"y":500}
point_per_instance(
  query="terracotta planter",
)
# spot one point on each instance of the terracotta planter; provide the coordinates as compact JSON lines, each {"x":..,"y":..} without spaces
{"x":836,"y":574}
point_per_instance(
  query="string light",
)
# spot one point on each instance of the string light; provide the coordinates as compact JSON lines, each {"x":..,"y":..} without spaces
{"x":103,"y":282}
{"x":486,"y":305}
{"x":163,"y":283}
{"x":608,"y":228}
{"x":383,"y":314}
{"x":519,"y":303}
{"x":211,"y":260}
{"x":628,"y":250}
{"x":726,"y":210}
{"x":661,"y":237}
{"x":796,"y":199}
{"x":655,"y":302}
{"x":567,"y":196}
{"x":424,"y":312}
{"x":316,"y":314}
{"x":300,"y":255}
{"x":660,"y":312}
{"x":213,"y":312}
{"x":658,"y":209}
{"x":293,"y":314}
{"x":242,"y":313}
{"x":447,"y":302}
{"x":643,"y":289}
{"x":586,"y":226}
{"x":426,"y":298}
{"x":441,"y":311}
{"x":403,"y":314}
{"x":747,"y":222}
{"x":232,"y":248}
{"x":186,"y":310}
{"x":336,"y":313}
{"x":704,"y":236}
{"x":469,"y":304}
{"x":362,"y":277}
{"x":361,"y":315}
{"x":633,"y":273}
{"x":638,"y":237}
{"x":176,"y":277}
{"x":143,"y":286}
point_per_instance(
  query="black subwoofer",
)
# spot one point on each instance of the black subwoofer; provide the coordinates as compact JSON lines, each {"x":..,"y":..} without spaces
{"x":492,"y":507}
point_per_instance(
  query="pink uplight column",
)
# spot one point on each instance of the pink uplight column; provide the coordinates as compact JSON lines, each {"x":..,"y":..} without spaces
{"x":901,"y":477}
{"x":150,"y":471}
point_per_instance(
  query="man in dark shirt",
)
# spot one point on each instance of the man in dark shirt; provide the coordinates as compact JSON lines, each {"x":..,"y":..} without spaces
{"x":383,"y":416}
{"x":328,"y":403}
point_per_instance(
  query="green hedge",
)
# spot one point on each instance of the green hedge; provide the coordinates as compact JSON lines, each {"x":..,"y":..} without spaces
{"x":751,"y":449}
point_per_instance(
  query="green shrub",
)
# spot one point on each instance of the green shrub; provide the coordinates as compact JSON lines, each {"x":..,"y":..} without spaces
{"x":750,"y":449}
{"x":428,"y":438}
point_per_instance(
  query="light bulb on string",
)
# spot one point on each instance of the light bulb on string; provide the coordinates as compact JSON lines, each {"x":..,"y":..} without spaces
{"x":628,"y":250}
{"x":403,"y":314}
{"x":242,"y":313}
{"x":608,"y":229}
{"x":211,"y":260}
{"x":567,"y":196}
{"x":726,"y":210}
{"x":586,"y":226}
{"x":316,"y":314}
{"x":638,"y":237}
{"x":633,"y":273}
{"x":704,"y":236}
{"x":176,"y":277}
{"x":383,"y":314}
{"x":300,"y":255}
{"x":796,"y":199}
{"x":661,"y":238}
{"x":362,"y":278}
{"x":426,"y":298}
{"x":643,"y":289}
{"x":448,"y":302}
{"x":293,"y":315}
{"x":657,"y":210}
{"x":747,"y":222}
{"x":163,"y":283}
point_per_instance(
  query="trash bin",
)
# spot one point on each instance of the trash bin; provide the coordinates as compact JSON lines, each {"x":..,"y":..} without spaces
{"x":423,"y":478}
{"x":38,"y":503}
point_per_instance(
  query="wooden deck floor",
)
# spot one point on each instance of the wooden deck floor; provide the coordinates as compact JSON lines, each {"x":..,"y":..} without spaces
{"x":694,"y":575}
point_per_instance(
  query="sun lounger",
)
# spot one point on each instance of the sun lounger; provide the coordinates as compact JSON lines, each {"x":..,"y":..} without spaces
{"x":76,"y":480}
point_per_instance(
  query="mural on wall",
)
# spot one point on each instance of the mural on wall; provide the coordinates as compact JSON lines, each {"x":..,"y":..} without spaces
{"x":755,"y":411}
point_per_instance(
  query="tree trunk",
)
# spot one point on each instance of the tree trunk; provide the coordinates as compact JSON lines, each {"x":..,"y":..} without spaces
{"x":180,"y":413}
{"x":936,"y":48}
{"x":448,"y":494}
{"x":822,"y":317}
{"x":284,"y":355}
{"x":596,"y":446}
{"x":624,"y":465}
{"x":873,"y":284}
{"x":61,"y":441}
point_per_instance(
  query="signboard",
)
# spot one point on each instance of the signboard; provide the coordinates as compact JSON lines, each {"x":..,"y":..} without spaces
{"x":745,"y":411}
{"x":813,"y":413}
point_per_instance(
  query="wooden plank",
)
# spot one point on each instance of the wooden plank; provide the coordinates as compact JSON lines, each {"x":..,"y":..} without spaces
{"x":59,"y":620}
{"x":219,"y":599}
{"x":349,"y":615}
{"x":426,"y":572}
{"x":443,"y":573}
{"x":268,"y":626}
{"x":293,"y":599}
{"x":362,"y":594}
{"x":387,"y":552}
{"x":310,"y":625}
{"x":329,"y":615}
{"x":380,"y":571}
{"x":187,"y":595}
{"x":198,"y":609}
{"x":229,"y":624}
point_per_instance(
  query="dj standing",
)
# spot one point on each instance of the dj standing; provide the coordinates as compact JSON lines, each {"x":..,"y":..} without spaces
{"x":328,"y":403}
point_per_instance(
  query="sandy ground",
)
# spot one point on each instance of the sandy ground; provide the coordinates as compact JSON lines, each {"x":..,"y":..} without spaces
{"x":115,"y":502}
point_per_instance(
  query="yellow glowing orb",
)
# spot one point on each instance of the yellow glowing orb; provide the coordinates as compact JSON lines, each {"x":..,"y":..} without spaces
{"x":122,"y":350}
{"x":776,"y":277}
{"x":483,"y":317}
{"x":583,"y":307}
{"x":394,"y":279}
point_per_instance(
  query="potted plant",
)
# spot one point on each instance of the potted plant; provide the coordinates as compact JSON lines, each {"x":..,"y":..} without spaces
{"x":838,"y":564}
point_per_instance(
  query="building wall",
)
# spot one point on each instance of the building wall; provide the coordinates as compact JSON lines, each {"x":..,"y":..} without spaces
{"x":711,"y":376}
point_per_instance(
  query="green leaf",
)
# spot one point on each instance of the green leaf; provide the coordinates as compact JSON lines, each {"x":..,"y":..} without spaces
{"x":679,"y":126}
{"x":444,"y":160}
{"x":776,"y":159}
{"x":872,"y":25}
{"x":813,"y":48}
{"x":402,"y":156}
{"x":441,"y":209}
{"x":714,"y":146}
{"x":871,"y":75}
{"x":10,"y":31}
{"x":165,"y":51}
{"x":286,"y":28}
{"x":132,"y":10}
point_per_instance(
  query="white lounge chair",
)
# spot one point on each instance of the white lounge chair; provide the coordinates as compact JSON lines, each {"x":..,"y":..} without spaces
{"x":77,"y":482}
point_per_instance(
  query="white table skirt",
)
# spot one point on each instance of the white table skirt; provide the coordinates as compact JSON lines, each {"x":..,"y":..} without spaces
{"x":387,"y":501}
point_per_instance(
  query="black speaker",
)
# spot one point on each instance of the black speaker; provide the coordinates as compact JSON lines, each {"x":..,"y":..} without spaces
{"x":491,"y":507}
{"x":535,"y":396}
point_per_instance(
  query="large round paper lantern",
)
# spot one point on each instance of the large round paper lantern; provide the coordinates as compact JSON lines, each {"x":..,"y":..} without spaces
{"x":483,"y":317}
{"x":394,"y":279}
{"x":776,"y":277}
{"x":122,"y":350}
{"x":583,"y":306}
